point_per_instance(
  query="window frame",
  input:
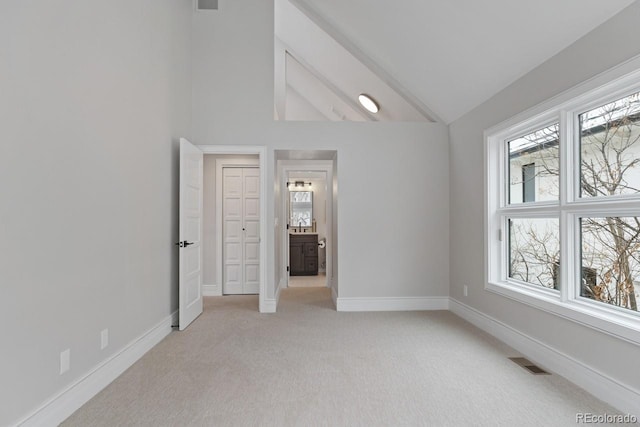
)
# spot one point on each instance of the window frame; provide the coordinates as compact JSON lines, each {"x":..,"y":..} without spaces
{"x":564,"y":109}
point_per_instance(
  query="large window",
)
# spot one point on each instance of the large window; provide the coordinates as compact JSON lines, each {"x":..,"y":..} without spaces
{"x":563,"y":199}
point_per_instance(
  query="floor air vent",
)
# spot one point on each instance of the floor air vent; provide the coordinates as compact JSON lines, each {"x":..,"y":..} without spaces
{"x":529,"y":366}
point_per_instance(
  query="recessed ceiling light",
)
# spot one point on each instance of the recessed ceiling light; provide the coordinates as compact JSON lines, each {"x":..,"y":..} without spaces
{"x":369,"y":103}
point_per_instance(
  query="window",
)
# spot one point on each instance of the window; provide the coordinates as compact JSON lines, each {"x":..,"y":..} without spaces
{"x":534,"y":251}
{"x":610,"y":260}
{"x":301,"y":205}
{"x":563,"y":207}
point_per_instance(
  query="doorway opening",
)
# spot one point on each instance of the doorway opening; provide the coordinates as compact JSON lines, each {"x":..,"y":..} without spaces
{"x":307,"y":210}
{"x":308,"y":228}
{"x":231,"y":256}
{"x":234,"y":222}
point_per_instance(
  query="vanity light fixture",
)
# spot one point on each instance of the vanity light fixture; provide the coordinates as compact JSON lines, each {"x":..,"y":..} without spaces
{"x":369,"y":103}
{"x":298,"y":184}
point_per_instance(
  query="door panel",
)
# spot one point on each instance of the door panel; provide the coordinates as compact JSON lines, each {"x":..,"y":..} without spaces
{"x":252,"y":279}
{"x":192,"y":229}
{"x":232,"y":207}
{"x":252,"y":230}
{"x":241,"y":231}
{"x":252,"y":183}
{"x":251,"y":216}
{"x":233,"y":182}
{"x":251,"y":209}
{"x":251,"y":251}
{"x":190,"y":225}
{"x":232,"y":231}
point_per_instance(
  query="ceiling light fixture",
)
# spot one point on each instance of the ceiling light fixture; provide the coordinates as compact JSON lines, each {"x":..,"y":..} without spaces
{"x":369,"y":103}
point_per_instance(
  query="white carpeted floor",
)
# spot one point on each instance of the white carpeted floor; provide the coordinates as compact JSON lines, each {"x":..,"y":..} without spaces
{"x":308,"y":281}
{"x":308,"y":365}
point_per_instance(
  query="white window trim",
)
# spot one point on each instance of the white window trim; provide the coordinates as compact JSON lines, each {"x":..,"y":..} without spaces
{"x":564,"y":108}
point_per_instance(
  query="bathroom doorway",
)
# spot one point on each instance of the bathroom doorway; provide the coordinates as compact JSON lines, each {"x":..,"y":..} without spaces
{"x":307,"y":212}
{"x":307,"y":219}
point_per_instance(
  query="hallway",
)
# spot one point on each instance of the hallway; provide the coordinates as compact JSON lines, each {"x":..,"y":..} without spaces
{"x":308,"y":281}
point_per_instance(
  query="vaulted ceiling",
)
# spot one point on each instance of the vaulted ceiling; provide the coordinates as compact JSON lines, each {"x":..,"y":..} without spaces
{"x":422,"y":60}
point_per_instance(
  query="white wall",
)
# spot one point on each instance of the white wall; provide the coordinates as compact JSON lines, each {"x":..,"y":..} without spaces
{"x":605,"y":47}
{"x":394,"y":196}
{"x":298,"y":108}
{"x":94,"y":98}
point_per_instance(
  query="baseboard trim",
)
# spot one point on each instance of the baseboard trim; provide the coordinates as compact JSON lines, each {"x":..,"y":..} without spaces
{"x":211,"y":290}
{"x":269,"y":306}
{"x":279,"y":290}
{"x":392,"y":304}
{"x":616,"y":394}
{"x":334,"y":297}
{"x":60,"y":407}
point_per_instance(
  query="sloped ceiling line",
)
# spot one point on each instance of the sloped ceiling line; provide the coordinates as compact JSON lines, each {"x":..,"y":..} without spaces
{"x":365,"y":59}
{"x":309,"y":104}
{"x":328,"y":84}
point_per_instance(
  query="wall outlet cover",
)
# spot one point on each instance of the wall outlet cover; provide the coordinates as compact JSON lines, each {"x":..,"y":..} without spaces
{"x":104,"y":339}
{"x":65,"y":361}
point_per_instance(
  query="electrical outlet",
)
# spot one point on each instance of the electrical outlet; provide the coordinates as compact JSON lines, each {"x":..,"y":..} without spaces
{"x":65,"y":361}
{"x":465,"y":291}
{"x":104,"y":339}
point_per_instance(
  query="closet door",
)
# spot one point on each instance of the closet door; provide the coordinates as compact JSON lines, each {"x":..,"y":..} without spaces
{"x":251,"y":230}
{"x":241,"y":241}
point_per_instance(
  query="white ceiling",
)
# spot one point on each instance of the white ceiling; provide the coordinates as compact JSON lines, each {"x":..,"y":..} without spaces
{"x":448,"y":56}
{"x":318,"y":79}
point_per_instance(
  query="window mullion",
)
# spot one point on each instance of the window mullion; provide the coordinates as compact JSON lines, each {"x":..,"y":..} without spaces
{"x":566,"y":179}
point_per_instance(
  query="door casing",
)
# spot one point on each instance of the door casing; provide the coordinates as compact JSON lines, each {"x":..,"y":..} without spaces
{"x":284,"y":167}
{"x":266,"y":305}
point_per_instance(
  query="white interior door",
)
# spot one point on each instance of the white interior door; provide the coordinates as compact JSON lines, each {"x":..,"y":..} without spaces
{"x":241,"y":231}
{"x":191,"y":183}
{"x":251,"y":230}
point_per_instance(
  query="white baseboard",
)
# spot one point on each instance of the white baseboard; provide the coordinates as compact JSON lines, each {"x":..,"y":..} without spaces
{"x":392,"y":304}
{"x":211,"y":290}
{"x":269,"y":306}
{"x":60,"y":407}
{"x":334,"y":297}
{"x":622,"y":397}
{"x":279,"y":290}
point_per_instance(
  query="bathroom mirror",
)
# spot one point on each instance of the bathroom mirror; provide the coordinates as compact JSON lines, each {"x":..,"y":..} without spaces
{"x":301,"y":208}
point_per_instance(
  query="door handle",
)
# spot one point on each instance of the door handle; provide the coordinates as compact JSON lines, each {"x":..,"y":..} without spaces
{"x":184,"y":244}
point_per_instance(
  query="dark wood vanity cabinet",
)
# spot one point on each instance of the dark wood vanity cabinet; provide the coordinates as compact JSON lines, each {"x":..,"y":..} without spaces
{"x":303,"y":254}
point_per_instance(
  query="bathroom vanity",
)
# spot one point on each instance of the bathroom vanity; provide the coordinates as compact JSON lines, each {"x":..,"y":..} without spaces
{"x":303,"y":254}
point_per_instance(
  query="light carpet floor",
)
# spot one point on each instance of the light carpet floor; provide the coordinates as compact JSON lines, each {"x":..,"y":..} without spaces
{"x":308,"y":365}
{"x":308,"y":281}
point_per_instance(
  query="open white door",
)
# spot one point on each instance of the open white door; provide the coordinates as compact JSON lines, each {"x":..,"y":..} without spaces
{"x":191,"y":183}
